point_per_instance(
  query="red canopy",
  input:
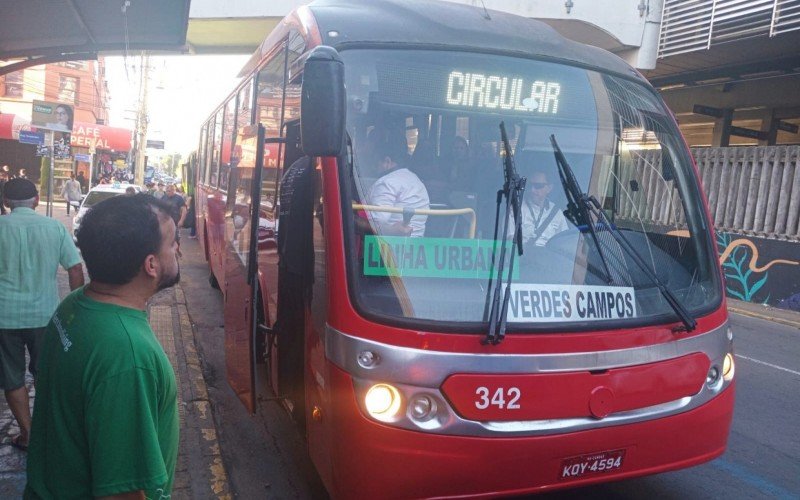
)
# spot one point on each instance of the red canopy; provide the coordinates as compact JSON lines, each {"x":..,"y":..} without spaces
{"x":10,"y":125}
{"x":85,"y":135}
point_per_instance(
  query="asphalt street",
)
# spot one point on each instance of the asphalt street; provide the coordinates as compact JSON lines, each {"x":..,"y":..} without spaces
{"x":763,"y":456}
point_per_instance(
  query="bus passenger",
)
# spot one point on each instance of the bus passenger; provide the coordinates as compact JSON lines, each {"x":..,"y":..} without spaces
{"x":397,"y":187}
{"x":541,"y":218}
{"x":460,"y":165}
{"x":298,"y":191}
{"x":426,"y":165}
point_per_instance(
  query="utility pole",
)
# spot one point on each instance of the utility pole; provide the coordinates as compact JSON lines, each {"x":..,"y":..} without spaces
{"x":141,"y":120}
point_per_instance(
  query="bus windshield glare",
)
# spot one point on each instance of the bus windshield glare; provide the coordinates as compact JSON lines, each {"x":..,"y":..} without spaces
{"x":425,"y":166}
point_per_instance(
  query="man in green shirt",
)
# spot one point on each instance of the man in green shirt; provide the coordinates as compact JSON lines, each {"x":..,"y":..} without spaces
{"x":105,"y":421}
{"x":31,"y":249}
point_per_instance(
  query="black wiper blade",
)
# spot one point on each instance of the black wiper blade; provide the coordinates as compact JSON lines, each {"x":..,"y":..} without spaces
{"x":578,"y":202}
{"x":513,"y":189}
{"x":587,"y":206}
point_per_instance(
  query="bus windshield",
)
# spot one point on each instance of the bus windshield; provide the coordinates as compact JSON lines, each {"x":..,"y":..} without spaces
{"x":425,"y":164}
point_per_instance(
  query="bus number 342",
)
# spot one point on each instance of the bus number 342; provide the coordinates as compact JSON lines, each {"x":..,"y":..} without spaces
{"x":498,"y":399}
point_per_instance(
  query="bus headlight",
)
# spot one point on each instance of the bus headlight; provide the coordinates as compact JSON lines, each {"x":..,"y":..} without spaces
{"x":728,"y":367}
{"x":382,"y":401}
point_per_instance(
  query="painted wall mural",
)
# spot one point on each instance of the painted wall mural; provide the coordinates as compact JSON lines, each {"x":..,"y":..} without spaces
{"x":758,"y":270}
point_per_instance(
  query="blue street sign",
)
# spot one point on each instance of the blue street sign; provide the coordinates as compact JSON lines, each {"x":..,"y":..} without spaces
{"x":28,"y":137}
{"x":83,"y":157}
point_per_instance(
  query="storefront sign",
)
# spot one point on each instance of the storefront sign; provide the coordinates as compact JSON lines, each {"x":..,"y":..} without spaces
{"x":28,"y":137}
{"x":85,"y":135}
{"x":83,"y":157}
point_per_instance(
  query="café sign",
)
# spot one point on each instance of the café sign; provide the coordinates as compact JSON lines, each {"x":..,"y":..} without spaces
{"x":90,"y":136}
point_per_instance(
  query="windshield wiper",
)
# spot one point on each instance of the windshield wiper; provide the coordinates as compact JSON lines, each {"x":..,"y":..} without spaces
{"x":579,"y":203}
{"x":581,"y":207}
{"x":513,"y":189}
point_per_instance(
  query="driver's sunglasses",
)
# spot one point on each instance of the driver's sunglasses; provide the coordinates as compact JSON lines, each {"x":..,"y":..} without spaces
{"x":539,"y":185}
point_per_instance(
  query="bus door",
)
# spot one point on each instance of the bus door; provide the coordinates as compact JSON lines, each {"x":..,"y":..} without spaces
{"x":295,"y":270}
{"x":241,"y":266}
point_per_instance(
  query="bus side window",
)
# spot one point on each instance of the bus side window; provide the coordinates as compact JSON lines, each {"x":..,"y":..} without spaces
{"x":269,"y":103}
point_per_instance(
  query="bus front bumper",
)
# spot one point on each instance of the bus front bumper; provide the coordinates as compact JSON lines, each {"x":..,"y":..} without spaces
{"x":370,"y":459}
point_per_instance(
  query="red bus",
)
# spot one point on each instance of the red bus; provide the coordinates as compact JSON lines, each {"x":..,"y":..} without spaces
{"x":358,"y":206}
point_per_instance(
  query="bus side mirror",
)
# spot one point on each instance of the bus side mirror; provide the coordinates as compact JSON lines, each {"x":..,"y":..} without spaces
{"x":322,"y":106}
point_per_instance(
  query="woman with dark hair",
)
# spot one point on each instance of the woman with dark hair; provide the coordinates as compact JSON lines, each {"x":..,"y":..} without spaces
{"x":64,"y":118}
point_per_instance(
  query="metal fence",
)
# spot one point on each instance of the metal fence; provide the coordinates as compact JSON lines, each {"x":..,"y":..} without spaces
{"x":753,"y":190}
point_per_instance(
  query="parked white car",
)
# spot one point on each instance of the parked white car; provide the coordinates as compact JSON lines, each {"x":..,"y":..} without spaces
{"x":96,"y":195}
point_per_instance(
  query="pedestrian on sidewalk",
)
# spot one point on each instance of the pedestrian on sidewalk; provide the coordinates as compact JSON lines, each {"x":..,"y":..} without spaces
{"x":178,"y":208}
{"x":31,"y":249}
{"x":82,"y":181}
{"x":191,"y":218}
{"x":71,"y":192}
{"x":159,"y":192}
{"x":299,"y":190}
{"x":105,"y":420}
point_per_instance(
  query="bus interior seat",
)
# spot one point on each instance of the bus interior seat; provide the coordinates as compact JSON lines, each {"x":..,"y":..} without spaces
{"x":451,"y":226}
{"x":440,"y":226}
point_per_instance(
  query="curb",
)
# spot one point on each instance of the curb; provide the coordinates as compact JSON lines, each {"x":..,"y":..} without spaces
{"x":767,"y":317}
{"x":199,"y":472}
{"x":200,"y":403}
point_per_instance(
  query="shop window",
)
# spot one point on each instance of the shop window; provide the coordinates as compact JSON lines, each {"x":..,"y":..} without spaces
{"x":13,"y":85}
{"x":68,"y":89}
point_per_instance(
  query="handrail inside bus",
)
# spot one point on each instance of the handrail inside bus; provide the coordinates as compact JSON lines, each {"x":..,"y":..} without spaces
{"x":425,"y":211}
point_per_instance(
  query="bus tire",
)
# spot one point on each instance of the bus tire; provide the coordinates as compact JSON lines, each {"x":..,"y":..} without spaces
{"x":212,"y":280}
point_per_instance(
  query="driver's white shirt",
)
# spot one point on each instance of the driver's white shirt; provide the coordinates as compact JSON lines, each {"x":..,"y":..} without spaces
{"x":533,"y":216}
{"x":400,"y":188}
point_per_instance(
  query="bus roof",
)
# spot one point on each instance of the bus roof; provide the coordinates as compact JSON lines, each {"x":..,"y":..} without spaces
{"x":342,"y":23}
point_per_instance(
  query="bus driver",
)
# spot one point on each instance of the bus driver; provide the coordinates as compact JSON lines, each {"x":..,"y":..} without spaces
{"x":541,"y":218}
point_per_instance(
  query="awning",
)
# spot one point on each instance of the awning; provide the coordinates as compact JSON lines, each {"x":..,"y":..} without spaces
{"x":85,"y":135}
{"x":59,"y":30}
{"x":10,"y":125}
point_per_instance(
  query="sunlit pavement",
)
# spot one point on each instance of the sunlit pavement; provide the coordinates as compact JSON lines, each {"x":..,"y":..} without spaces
{"x":200,"y":472}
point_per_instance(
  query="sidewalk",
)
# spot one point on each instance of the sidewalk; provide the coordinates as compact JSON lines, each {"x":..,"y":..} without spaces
{"x":200,"y":472}
{"x":761,"y":311}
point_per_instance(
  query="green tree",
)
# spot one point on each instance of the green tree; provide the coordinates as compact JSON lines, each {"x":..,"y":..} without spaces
{"x":170,"y":163}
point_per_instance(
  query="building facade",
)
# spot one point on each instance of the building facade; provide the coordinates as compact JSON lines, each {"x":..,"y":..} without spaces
{"x":81,"y":84}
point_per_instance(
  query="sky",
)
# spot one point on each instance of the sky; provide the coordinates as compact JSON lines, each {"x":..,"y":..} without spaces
{"x":183,"y":92}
